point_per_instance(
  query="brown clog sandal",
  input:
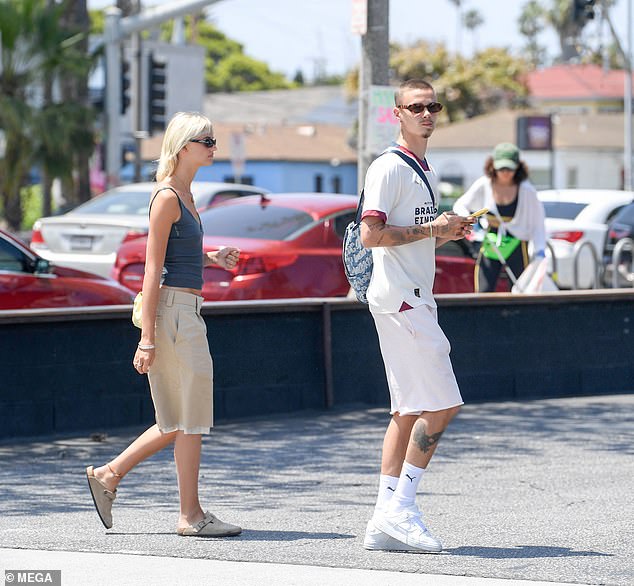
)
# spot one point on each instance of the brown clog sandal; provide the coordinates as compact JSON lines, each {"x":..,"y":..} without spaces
{"x":210,"y":526}
{"x":101,"y":496}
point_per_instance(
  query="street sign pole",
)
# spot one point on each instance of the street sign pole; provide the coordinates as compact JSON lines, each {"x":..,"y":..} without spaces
{"x":374,"y":71}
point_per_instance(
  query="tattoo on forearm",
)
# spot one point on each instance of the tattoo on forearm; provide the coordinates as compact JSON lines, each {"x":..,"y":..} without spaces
{"x":423,"y":441}
{"x":396,"y":235}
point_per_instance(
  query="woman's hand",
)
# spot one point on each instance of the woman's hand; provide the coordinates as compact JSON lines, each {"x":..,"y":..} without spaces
{"x":227,"y":257}
{"x":143,"y":359}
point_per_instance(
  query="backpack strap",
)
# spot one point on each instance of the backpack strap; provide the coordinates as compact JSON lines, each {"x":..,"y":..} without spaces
{"x":357,"y":216}
{"x":415,"y":165}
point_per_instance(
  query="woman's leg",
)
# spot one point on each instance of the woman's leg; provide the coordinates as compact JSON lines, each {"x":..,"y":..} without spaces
{"x":187,"y":449}
{"x":487,"y":272}
{"x":519,"y":259}
{"x":146,"y":445}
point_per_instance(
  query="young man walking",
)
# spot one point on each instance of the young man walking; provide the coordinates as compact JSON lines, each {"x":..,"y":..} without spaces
{"x":399,"y":224}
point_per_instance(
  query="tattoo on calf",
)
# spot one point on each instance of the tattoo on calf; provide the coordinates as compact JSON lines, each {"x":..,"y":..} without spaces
{"x":423,"y":441}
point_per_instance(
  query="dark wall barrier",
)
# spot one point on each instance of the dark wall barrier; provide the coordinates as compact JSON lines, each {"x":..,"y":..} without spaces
{"x":71,"y":370}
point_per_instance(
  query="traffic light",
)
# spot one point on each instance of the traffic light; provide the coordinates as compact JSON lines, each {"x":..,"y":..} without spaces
{"x":157,"y":94}
{"x":125,"y":85}
{"x":582,"y":10}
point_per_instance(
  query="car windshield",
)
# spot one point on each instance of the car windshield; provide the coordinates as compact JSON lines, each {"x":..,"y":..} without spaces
{"x":626,"y":215}
{"x":267,"y":222}
{"x":123,"y":202}
{"x":566,"y":210}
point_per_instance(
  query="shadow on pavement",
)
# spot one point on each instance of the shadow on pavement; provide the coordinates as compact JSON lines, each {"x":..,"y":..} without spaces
{"x":523,"y":551}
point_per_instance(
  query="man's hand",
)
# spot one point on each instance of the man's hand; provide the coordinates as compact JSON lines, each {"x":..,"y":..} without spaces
{"x":227,"y":257}
{"x":450,"y":226}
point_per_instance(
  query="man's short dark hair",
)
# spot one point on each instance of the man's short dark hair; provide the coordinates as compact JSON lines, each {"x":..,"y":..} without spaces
{"x":411,"y":84}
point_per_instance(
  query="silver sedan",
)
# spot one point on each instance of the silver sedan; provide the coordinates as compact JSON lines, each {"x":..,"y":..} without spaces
{"x":88,"y":237}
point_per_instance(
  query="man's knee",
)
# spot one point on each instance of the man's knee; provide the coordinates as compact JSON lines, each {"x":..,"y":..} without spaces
{"x":442,"y":417}
{"x":452,"y":412}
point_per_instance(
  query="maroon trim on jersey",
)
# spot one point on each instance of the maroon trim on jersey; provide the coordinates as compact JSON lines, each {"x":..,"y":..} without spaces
{"x":405,"y":306}
{"x":374,"y":214}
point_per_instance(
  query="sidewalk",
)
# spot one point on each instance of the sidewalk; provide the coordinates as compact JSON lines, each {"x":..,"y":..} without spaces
{"x":517,"y":491}
{"x":134,"y":570}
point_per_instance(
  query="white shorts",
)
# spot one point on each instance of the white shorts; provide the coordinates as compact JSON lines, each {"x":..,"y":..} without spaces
{"x":416,"y":355}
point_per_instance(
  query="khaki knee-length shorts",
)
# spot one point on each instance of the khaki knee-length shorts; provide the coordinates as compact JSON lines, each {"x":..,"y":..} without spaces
{"x":181,"y":377}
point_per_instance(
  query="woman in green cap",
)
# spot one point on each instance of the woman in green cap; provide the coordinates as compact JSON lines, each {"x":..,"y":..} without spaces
{"x":514,"y":219}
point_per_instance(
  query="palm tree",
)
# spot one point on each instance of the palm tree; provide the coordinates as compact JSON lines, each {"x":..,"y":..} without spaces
{"x":559,"y":15}
{"x":531,"y":23}
{"x":472,"y":20}
{"x":458,"y":5}
{"x":37,"y":49}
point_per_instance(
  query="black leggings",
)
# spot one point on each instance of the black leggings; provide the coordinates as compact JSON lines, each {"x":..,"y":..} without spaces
{"x":487,"y":271}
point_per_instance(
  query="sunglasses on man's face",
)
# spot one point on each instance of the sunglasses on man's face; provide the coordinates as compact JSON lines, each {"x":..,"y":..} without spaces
{"x":208,"y":142}
{"x":432,"y":108}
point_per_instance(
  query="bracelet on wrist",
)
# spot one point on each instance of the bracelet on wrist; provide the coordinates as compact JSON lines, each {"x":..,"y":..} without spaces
{"x":431,"y":230}
{"x":145,"y":346}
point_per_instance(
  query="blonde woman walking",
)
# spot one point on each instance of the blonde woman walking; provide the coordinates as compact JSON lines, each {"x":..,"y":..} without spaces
{"x":173,"y":350}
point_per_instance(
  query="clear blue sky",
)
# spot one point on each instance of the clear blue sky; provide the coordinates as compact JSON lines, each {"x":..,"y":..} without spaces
{"x":304,"y":34}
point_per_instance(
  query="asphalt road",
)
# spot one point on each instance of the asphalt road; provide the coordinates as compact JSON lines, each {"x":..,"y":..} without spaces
{"x":539,"y":490}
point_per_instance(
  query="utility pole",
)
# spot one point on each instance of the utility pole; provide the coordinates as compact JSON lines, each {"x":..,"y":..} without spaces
{"x":137,"y":102}
{"x":375,"y":49}
{"x":627,"y":92}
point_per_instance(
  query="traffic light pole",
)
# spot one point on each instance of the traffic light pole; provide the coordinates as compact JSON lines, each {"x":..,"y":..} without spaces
{"x":137,"y":104}
{"x":117,"y":29}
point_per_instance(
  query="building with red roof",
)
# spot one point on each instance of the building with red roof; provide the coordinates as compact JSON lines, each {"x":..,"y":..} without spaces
{"x":577,"y":88}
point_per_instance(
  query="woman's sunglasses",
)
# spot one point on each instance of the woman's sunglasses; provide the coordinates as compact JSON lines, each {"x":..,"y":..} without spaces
{"x":432,"y":108}
{"x":208,"y":142}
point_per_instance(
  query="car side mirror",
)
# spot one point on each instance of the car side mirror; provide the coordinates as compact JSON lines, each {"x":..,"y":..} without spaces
{"x":42,"y":266}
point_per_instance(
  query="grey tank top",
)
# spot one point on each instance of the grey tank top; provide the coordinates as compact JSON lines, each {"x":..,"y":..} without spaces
{"x":183,"y":266}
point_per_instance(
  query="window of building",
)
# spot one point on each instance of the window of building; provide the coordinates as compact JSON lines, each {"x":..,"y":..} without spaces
{"x":243,"y":179}
{"x":572,"y":177}
{"x":540,"y":178}
{"x":319,"y":183}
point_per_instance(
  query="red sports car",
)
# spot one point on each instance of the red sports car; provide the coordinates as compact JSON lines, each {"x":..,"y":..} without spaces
{"x":290,"y":246}
{"x":27,"y":281}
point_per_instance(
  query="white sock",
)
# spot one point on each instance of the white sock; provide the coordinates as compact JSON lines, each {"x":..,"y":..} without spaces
{"x":387,"y":486}
{"x":405,"y":493}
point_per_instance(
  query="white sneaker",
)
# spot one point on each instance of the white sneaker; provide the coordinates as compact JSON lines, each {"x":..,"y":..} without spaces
{"x":376,"y":540}
{"x":407,"y":527}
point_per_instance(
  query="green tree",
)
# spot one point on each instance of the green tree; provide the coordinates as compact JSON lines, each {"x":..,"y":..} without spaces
{"x":472,"y":20}
{"x":531,"y":22}
{"x":468,"y":87}
{"x":459,"y":23}
{"x":239,"y":72}
{"x":36,"y":48}
{"x":299,"y":78}
{"x":227,"y":67}
{"x":559,"y":15}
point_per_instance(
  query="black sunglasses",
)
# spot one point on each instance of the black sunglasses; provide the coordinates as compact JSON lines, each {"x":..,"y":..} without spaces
{"x":432,"y":107}
{"x":208,"y":142}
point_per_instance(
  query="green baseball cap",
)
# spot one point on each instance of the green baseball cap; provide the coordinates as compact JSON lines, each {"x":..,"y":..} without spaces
{"x":506,"y":156}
